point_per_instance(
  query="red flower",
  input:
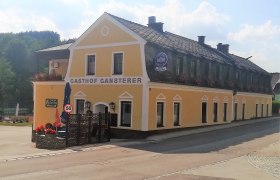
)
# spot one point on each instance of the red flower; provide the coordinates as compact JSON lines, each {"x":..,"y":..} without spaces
{"x":57,"y":124}
{"x":50,"y":131}
{"x":39,"y":129}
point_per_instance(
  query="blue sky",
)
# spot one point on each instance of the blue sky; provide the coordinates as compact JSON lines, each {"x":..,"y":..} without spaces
{"x":251,"y":27}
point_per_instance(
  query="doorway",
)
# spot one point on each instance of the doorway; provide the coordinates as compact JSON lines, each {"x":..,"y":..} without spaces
{"x":101,"y":108}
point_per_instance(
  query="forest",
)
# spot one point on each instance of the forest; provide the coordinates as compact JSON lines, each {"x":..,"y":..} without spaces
{"x":18,"y":65}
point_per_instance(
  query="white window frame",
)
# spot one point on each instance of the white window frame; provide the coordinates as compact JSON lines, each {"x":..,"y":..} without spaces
{"x":113,"y":63}
{"x":120,"y":113}
{"x":180,"y":104}
{"x":86,"y":64}
{"x":163,"y":114}
{"x":204,"y":99}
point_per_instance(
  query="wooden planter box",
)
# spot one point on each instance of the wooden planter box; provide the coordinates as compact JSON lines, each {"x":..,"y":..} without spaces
{"x":50,"y":141}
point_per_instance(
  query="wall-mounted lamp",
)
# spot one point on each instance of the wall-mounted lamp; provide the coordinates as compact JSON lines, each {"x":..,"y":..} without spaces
{"x":112,"y":105}
{"x":87,"y":104}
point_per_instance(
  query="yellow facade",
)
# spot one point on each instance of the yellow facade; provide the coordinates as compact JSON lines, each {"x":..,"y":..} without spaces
{"x":106,"y":37}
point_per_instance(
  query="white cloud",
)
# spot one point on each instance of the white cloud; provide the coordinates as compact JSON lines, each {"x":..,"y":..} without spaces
{"x":15,"y":20}
{"x":261,"y":42}
{"x":266,"y":31}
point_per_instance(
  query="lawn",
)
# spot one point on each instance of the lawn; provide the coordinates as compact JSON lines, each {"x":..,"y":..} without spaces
{"x":8,"y":123}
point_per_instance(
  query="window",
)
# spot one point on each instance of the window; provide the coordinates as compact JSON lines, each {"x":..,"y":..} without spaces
{"x":262,"y":111}
{"x":193,"y":69}
{"x":160,"y":109}
{"x":80,"y":106}
{"x":215,"y":112}
{"x":243,"y":111}
{"x":267,"y":110}
{"x":118,"y":63}
{"x":235,"y":111}
{"x":204,"y":112}
{"x":179,"y":66}
{"x":217,"y":71}
{"x":126,"y":113}
{"x":256,"y":110}
{"x":176,"y":114}
{"x":225,"y":112}
{"x":91,"y":65}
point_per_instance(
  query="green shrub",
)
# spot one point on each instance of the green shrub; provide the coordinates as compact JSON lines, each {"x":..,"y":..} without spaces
{"x":275,"y":107}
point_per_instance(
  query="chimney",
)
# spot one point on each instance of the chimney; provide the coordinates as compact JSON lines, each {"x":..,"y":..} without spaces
{"x":201,"y":39}
{"x":223,"y":47}
{"x":158,"y":26}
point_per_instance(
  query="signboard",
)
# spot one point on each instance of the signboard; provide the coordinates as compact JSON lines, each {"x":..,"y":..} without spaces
{"x":134,"y":80}
{"x":51,"y":103}
{"x":161,"y":62}
{"x":68,"y":108}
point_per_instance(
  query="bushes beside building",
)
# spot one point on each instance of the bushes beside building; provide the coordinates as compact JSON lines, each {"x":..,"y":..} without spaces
{"x":275,"y":107}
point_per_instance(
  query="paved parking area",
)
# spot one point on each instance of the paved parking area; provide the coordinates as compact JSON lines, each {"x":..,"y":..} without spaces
{"x":16,"y":141}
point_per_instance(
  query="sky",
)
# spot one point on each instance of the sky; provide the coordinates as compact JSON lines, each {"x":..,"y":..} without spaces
{"x":250,"y":27}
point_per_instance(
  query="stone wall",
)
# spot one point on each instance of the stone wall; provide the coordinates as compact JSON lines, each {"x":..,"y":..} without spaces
{"x":50,"y":141}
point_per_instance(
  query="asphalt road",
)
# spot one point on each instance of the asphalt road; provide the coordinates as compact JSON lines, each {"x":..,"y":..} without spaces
{"x":147,"y":160}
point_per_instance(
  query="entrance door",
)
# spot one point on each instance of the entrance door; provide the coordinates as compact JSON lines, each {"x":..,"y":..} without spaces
{"x":101,"y":108}
{"x":80,"y":106}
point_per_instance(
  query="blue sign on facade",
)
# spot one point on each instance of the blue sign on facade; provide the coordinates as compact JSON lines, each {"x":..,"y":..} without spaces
{"x":161,"y":62}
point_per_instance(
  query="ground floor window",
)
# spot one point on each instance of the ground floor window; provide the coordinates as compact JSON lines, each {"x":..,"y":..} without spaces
{"x":256,"y":110}
{"x":243,"y":111}
{"x":215,"y":112}
{"x":80,"y":106}
{"x":126,"y":113}
{"x":267,"y":110}
{"x":225,"y":112}
{"x":204,"y":112}
{"x":235,"y":111}
{"x":176,"y":114}
{"x":160,"y":111}
{"x":262,"y":111}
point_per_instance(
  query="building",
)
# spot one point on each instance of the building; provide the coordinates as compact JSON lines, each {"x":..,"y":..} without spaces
{"x":275,"y":85}
{"x":156,"y":80}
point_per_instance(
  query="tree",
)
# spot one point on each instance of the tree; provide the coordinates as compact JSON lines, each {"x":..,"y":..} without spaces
{"x":7,"y":78}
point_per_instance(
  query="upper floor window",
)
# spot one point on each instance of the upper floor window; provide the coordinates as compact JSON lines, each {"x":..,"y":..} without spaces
{"x":91,"y":65}
{"x":193,"y":68}
{"x":179,"y":66}
{"x":118,"y":63}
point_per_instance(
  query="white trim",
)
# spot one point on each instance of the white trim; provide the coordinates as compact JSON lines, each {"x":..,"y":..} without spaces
{"x":47,"y":83}
{"x":254,"y":94}
{"x":113,"y":63}
{"x":100,"y":103}
{"x":180,"y":113}
{"x":75,"y":104}
{"x":235,"y":100}
{"x":217,"y":111}
{"x":86,"y":65}
{"x":120,"y":114}
{"x":160,"y":97}
{"x":187,"y":88}
{"x":80,"y":94}
{"x":204,"y":98}
{"x":225,"y":99}
{"x":35,"y":103}
{"x":206,"y":112}
{"x":105,"y":30}
{"x":257,"y":101}
{"x":97,"y":22}
{"x":109,"y":45}
{"x":145,"y":89}
{"x":243,"y":100}
{"x":163,"y":113}
{"x":125,"y":95}
{"x":177,"y":97}
{"x":69,"y":66}
{"x":215,"y":99}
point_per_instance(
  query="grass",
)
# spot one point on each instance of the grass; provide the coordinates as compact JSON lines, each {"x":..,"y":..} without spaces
{"x":7,"y":123}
